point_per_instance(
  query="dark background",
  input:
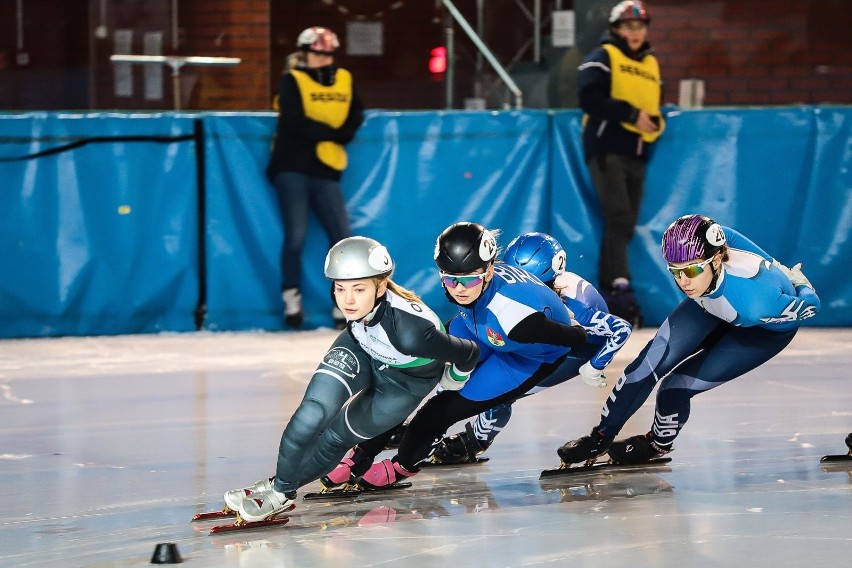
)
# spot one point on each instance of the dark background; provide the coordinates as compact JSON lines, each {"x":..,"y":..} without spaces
{"x":748,"y":52}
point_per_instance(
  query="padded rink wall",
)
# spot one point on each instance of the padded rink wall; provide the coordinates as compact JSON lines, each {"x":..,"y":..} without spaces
{"x":139,"y":223}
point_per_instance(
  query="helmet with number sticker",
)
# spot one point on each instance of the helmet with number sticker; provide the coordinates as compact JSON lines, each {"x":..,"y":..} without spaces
{"x":354,"y":258}
{"x":538,"y":253}
{"x":464,"y":248}
{"x":692,"y":237}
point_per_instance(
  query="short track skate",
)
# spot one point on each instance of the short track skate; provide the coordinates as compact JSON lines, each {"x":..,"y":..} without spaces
{"x":840,"y":458}
{"x":435,"y":462}
{"x":350,"y":491}
{"x":239,"y":524}
{"x":601,"y":465}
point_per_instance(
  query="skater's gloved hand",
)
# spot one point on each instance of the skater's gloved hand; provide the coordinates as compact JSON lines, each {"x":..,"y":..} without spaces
{"x":453,"y":379}
{"x":592,"y":376}
{"x":795,"y":275}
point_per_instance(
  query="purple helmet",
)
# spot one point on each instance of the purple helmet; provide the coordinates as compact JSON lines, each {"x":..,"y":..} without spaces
{"x":692,"y":237}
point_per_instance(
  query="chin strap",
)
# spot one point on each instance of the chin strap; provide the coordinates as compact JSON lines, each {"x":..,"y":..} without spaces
{"x":714,"y":282}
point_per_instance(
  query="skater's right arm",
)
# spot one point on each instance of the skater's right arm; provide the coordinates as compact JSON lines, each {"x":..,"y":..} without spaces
{"x":538,"y":328}
{"x":419,"y":337}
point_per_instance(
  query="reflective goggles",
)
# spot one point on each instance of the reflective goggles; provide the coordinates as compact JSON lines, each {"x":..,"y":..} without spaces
{"x":690,"y":270}
{"x":471,"y":281}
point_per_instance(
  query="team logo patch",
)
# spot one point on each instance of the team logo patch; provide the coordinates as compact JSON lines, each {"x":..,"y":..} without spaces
{"x":495,"y":338}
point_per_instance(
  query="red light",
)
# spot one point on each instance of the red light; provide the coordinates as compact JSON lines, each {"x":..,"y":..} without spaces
{"x":438,"y":60}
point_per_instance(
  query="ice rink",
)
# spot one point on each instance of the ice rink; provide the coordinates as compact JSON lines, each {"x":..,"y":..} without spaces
{"x":111,"y":444}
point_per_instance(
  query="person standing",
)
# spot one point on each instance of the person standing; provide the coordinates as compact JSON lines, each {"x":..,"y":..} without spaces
{"x":319,"y":113}
{"x":619,"y":90}
{"x":393,"y":352}
{"x":742,"y":308}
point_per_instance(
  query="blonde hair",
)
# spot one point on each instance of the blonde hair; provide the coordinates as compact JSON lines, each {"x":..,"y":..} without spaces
{"x":404,"y":293}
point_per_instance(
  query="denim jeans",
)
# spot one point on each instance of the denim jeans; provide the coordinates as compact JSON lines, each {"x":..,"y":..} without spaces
{"x":297,"y":195}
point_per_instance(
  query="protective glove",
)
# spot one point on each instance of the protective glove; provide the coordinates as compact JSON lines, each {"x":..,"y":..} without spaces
{"x":795,"y":275}
{"x":453,"y":379}
{"x":592,"y":376}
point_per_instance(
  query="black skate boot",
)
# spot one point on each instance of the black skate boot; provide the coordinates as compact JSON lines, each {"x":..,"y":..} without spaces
{"x":584,"y":449}
{"x":636,"y":450}
{"x":458,"y":448}
{"x":396,"y":438}
{"x":622,"y":303}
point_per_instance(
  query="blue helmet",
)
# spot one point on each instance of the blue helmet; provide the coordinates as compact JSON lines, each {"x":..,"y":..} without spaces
{"x":537,"y":253}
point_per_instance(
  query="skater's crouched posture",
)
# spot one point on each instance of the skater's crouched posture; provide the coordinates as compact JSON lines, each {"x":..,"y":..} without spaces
{"x":542,"y":255}
{"x":392,"y":354}
{"x":743,"y":308}
{"x":523,"y":330}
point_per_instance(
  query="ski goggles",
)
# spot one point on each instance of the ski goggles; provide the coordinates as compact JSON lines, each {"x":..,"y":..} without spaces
{"x":451,"y":281}
{"x":690,"y":270}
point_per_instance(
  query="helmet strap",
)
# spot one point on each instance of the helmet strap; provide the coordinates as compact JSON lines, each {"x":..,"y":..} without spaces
{"x":714,"y":282}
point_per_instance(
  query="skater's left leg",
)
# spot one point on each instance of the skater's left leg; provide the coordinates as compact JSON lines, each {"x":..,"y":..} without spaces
{"x":370,"y":415}
{"x":738,"y":351}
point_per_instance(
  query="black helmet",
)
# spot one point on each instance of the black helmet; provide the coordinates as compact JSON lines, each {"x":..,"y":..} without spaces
{"x":464,"y":248}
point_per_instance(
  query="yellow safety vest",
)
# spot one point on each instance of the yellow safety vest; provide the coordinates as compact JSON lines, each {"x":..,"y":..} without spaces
{"x":638,"y":83}
{"x":329,"y":105}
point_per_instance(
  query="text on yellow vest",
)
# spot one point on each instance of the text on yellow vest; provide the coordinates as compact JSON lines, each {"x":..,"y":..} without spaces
{"x":329,"y":105}
{"x":638,"y":83}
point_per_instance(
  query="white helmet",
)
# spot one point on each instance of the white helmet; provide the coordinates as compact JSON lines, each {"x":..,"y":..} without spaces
{"x":318,"y":40}
{"x":354,"y":258}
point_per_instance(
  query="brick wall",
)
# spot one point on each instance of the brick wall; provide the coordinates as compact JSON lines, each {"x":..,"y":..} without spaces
{"x":748,"y":52}
{"x":756,"y":52}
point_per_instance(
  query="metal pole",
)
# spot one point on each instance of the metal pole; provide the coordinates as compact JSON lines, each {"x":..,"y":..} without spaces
{"x":449,"y":82}
{"x":537,"y":31}
{"x":513,"y":87}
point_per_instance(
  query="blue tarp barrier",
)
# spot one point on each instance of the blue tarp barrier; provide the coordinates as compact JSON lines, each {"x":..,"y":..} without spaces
{"x":98,"y":235}
{"x":103,"y":236}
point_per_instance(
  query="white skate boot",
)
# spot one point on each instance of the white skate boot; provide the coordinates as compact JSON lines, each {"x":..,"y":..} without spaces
{"x":234,"y":497}
{"x":265,"y":505}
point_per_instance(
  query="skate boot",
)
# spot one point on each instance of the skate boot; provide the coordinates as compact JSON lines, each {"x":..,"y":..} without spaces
{"x":265,"y":505}
{"x":585,"y":449}
{"x":353,"y":465}
{"x":621,"y":300}
{"x":458,"y":448}
{"x":636,"y":450}
{"x":385,"y":473}
{"x":395,"y":439}
{"x":293,"y":315}
{"x":234,"y":497}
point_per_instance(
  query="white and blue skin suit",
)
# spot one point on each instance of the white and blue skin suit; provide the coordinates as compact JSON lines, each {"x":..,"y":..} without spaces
{"x":750,"y":316}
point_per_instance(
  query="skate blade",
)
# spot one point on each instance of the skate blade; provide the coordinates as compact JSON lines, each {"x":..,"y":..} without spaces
{"x":346,"y":492}
{"x":402,"y":485}
{"x":250,"y":525}
{"x":239,"y":524}
{"x":600,"y":466}
{"x":431,"y":463}
{"x":836,"y":459}
{"x":210,"y":515}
